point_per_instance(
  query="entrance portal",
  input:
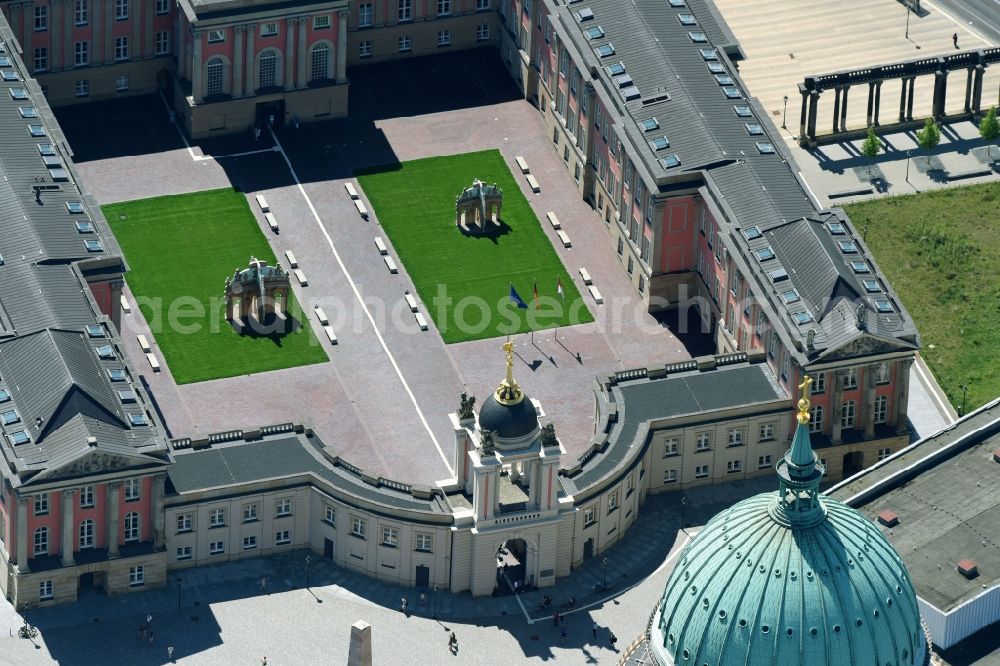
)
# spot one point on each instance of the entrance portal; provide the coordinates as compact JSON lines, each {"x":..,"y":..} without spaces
{"x":271,"y":113}
{"x":853,"y":463}
{"x":423,"y":576}
{"x":511,"y":567}
{"x":588,"y":548}
{"x":328,"y":548}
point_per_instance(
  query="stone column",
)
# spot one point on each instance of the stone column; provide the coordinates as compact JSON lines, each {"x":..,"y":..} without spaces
{"x":149,"y":39}
{"x":871,"y":377}
{"x":903,"y":396}
{"x":909,"y":99}
{"x":302,"y":57}
{"x":250,"y":74}
{"x":805,"y":112}
{"x":289,"y":49}
{"x":977,"y":88}
{"x":196,"y":69}
{"x":902,"y":101}
{"x":69,"y":21}
{"x":158,"y":510}
{"x":109,"y":37}
{"x":135,"y":18}
{"x":843,"y":110}
{"x":836,"y":405}
{"x":360,"y":653}
{"x":940,"y":92}
{"x":22,"y":534}
{"x":67,"y":528}
{"x":811,"y":125}
{"x":238,"y":56}
{"x":111,"y":520}
{"x":836,"y":110}
{"x":95,"y":34}
{"x":57,"y":9}
{"x":878,"y":100}
{"x":871,"y":103}
{"x":342,"y":18}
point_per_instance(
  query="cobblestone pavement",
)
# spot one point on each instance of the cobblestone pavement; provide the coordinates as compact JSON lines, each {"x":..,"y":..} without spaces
{"x":226,"y":617}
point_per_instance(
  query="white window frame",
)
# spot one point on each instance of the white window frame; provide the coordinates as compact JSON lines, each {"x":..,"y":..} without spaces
{"x":405,"y":11}
{"x":162,"y":43}
{"x":121,"y":83}
{"x":184,"y":523}
{"x":443,"y":7}
{"x":670,"y":476}
{"x":701,"y":472}
{"x":390,"y":536}
{"x":183,"y":553}
{"x":444,"y":38}
{"x":86,"y":497}
{"x":162,"y":7}
{"x":330,"y":515}
{"x":85,"y":534}
{"x":884,"y":374}
{"x":671,"y":447}
{"x":250,"y":542}
{"x":482,"y":5}
{"x":319,"y":21}
{"x":366,"y":11}
{"x":133,"y":526}
{"x":45,"y":590}
{"x":81,"y":12}
{"x":766,"y":432}
{"x":215,"y":73}
{"x":358,"y":526}
{"x":881,"y":407}
{"x":269,"y":29}
{"x":283,"y":507}
{"x":404,"y":43}
{"x":764,"y":461}
{"x":121,"y":10}
{"x":217,"y":548}
{"x":282,"y":538}
{"x":136,"y":575}
{"x":425,"y":542}
{"x":884,"y":453}
{"x":216,"y":36}
{"x":41,"y":59}
{"x":250,"y":512}
{"x":816,"y":418}
{"x":40,"y":541}
{"x":81,"y":53}
{"x":818,"y":384}
{"x":849,"y":379}
{"x":319,"y":68}
{"x":704,"y":442}
{"x":612,"y":501}
{"x":848,"y":414}
{"x":365,"y":48}
{"x":734,"y":466}
{"x":41,"y":18}
{"x":41,"y":504}
{"x":133,"y":490}
{"x":735,"y":437}
{"x":217,"y":518}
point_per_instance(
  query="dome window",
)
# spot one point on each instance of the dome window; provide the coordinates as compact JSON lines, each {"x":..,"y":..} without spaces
{"x":704,"y":602}
{"x":694,"y":590}
{"x":722,"y":615}
{"x":790,"y":632}
{"x":764,"y":629}
{"x":813,"y":631}
{"x":858,"y":622}
{"x":875,"y":613}
{"x":836,"y":628}
{"x":686,"y":654}
{"x":742,"y":622}
{"x":670,"y":638}
{"x":888,"y":602}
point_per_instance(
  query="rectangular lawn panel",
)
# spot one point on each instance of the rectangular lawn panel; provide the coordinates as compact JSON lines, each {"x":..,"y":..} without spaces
{"x":464,"y":281}
{"x":940,"y":250}
{"x":180,"y":250}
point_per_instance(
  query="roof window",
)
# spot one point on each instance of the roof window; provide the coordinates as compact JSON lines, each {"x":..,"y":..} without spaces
{"x":743,"y":111}
{"x":732,"y":92}
{"x":605,"y":50}
{"x":4,"y":395}
{"x":871,"y":285}
{"x":802,"y":318}
{"x":9,"y":417}
{"x":18,"y":93}
{"x":754,"y":129}
{"x":709,"y":54}
{"x":687,"y":19}
{"x":790,"y":296}
{"x":116,"y":374}
{"x":10,"y":75}
{"x":716,"y":67}
{"x":585,"y":14}
{"x":676,"y":4}
{"x":106,"y":351}
{"x":19,"y":437}
{"x":764,"y":253}
{"x":751,"y":232}
{"x":777,"y":275}
{"x":623,"y":80}
{"x":615,"y":68}
{"x":27,"y":111}
{"x":93,"y":245}
{"x":847,"y":247}
{"x":85,"y":226}
{"x":51,"y":162}
{"x":883,"y":305}
{"x":138,"y":419}
{"x":697,"y":37}
{"x":630,"y":93}
{"x":649,"y":124}
{"x":860,"y":267}
{"x":74,"y":207}
{"x":659,"y":143}
{"x":765,"y":148}
{"x":95,"y":330}
{"x":836,"y":228}
{"x":670,"y":161}
{"x":36,"y":130}
{"x":595,"y":33}
{"x":724,"y":79}
{"x":126,"y":395}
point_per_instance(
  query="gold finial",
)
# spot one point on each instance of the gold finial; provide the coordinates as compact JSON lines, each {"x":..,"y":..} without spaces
{"x":803,"y":415}
{"x":509,"y":393}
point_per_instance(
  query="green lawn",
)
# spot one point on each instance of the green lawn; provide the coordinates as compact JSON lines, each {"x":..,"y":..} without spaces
{"x":464,"y":281}
{"x":180,"y":250}
{"x":941,"y":251}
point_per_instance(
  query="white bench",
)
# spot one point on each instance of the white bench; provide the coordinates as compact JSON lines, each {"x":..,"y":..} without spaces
{"x":522,"y":164}
{"x":553,"y":220}
{"x":533,"y":184}
{"x":586,"y":276}
{"x":411,"y":302}
{"x":262,"y":202}
{"x":330,"y":335}
{"x":320,"y":315}
{"x":153,"y":363}
{"x":380,"y":244}
{"x":596,"y":294}
{"x":301,"y":277}
{"x":271,"y":221}
{"x":390,"y":264}
{"x":362,"y":210}
{"x":351,"y":192}
{"x":564,"y":238}
{"x":143,"y":343}
{"x":126,"y":308}
{"x":292,"y":263}
{"x":421,"y":321}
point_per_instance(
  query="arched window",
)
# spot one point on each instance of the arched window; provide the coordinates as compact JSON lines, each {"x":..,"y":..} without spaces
{"x":132,"y":531}
{"x":320,"y":62}
{"x":816,"y":419}
{"x":87,"y":534}
{"x":214,"y":71}
{"x":267,"y":68}
{"x":42,"y":541}
{"x":847,"y":412}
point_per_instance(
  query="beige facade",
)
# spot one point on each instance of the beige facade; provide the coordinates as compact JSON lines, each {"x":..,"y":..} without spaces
{"x":58,"y":586}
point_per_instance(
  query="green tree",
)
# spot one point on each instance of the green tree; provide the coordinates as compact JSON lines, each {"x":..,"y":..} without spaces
{"x":871,"y":147}
{"x":989,"y":129}
{"x":929,"y":137}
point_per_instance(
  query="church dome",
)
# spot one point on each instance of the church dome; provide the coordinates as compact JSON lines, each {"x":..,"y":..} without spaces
{"x":790,"y":578}
{"x":508,"y":421}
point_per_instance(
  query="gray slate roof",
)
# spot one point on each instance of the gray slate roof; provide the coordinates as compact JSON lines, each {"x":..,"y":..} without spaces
{"x":747,"y":187}
{"x":59,"y":388}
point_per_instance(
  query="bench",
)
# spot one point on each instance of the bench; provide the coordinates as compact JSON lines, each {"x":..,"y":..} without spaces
{"x":421,"y":321}
{"x":301,"y":277}
{"x":564,"y":238}
{"x":522,"y":164}
{"x":351,"y":192}
{"x":533,"y":184}
{"x":126,"y":308}
{"x":143,"y":343}
{"x":330,"y":335}
{"x":362,"y":210}
{"x":586,"y":276}
{"x":380,"y":244}
{"x":390,"y":264}
{"x":411,"y":302}
{"x":271,"y":222}
{"x":320,"y":315}
{"x":972,"y":173}
{"x":291,"y":259}
{"x":596,"y":295}
{"x":553,"y":220}
{"x":262,"y":202}
{"x":153,"y":363}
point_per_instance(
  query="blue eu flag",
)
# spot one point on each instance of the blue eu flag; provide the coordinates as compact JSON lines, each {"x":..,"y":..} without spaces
{"x":514,"y":296}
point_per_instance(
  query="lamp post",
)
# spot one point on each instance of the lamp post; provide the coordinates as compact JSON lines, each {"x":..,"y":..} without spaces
{"x":179,"y":581}
{"x":435,"y":602}
{"x":864,"y":234}
{"x":684,"y":503}
{"x":908,"y":167}
{"x":308,"y":560}
{"x":965,"y":390}
{"x":907,"y":7}
{"x":604,"y":562}
{"x":784,"y":114}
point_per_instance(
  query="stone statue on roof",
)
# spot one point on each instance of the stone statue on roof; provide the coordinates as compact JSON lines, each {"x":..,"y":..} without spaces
{"x":465,"y":409}
{"x":488,"y":441}
{"x":549,"y":435}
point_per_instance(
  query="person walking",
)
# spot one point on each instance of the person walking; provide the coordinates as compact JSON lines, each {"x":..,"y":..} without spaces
{"x":562,"y":635}
{"x":453,"y":643}
{"x":593,"y":629}
{"x":954,"y":39}
{"x":150,"y":638}
{"x":170,"y":652}
{"x":263,"y":662}
{"x":555,"y":619}
{"x":613,"y":639}
{"x":402,"y":605}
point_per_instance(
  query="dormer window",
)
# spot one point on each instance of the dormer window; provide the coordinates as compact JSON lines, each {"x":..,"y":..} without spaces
{"x":106,"y":352}
{"x":790,"y":296}
{"x":802,"y":318}
{"x":860,"y":267}
{"x":595,"y":33}
{"x":871,"y":285}
{"x":95,"y":330}
{"x":883,"y":305}
{"x":836,"y":228}
{"x":659,"y":143}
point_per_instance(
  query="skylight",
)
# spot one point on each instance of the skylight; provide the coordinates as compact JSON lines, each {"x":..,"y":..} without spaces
{"x":93,"y":245}
{"x":670,"y":161}
{"x":27,"y":111}
{"x":659,"y":143}
{"x":126,"y":395}
{"x":615,"y":68}
{"x":871,"y":285}
{"x":765,"y":148}
{"x":751,"y":232}
{"x":10,"y":75}
{"x":860,"y":267}
{"x":709,"y":54}
{"x":137,"y":419}
{"x":777,"y":275}
{"x":46,"y":149}
{"x":605,"y":50}
{"x":847,"y":247}
{"x":95,"y":330}
{"x":676,"y":4}
{"x":630,"y":93}
{"x":802,"y":318}
{"x":4,"y":60}
{"x":724,"y":79}
{"x":74,"y":207}
{"x":754,"y":129}
{"x":9,"y":417}
{"x":743,"y":111}
{"x":85,"y":226}
{"x":623,"y":80}
{"x":584,"y":14}
{"x":19,"y":437}
{"x":764,"y":254}
{"x":790,"y":296}
{"x":716,"y":67}
{"x":649,"y":124}
{"x":595,"y":33}
{"x":697,"y":37}
{"x":883,"y":305}
{"x":18,"y":93}
{"x":36,"y":130}
{"x":836,"y":228}
{"x":687,"y":19}
{"x":116,"y":374}
{"x":106,"y":351}
{"x":732,"y":92}
{"x":4,"y":395}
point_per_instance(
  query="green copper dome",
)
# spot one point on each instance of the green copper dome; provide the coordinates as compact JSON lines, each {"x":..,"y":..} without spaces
{"x":790,"y":578}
